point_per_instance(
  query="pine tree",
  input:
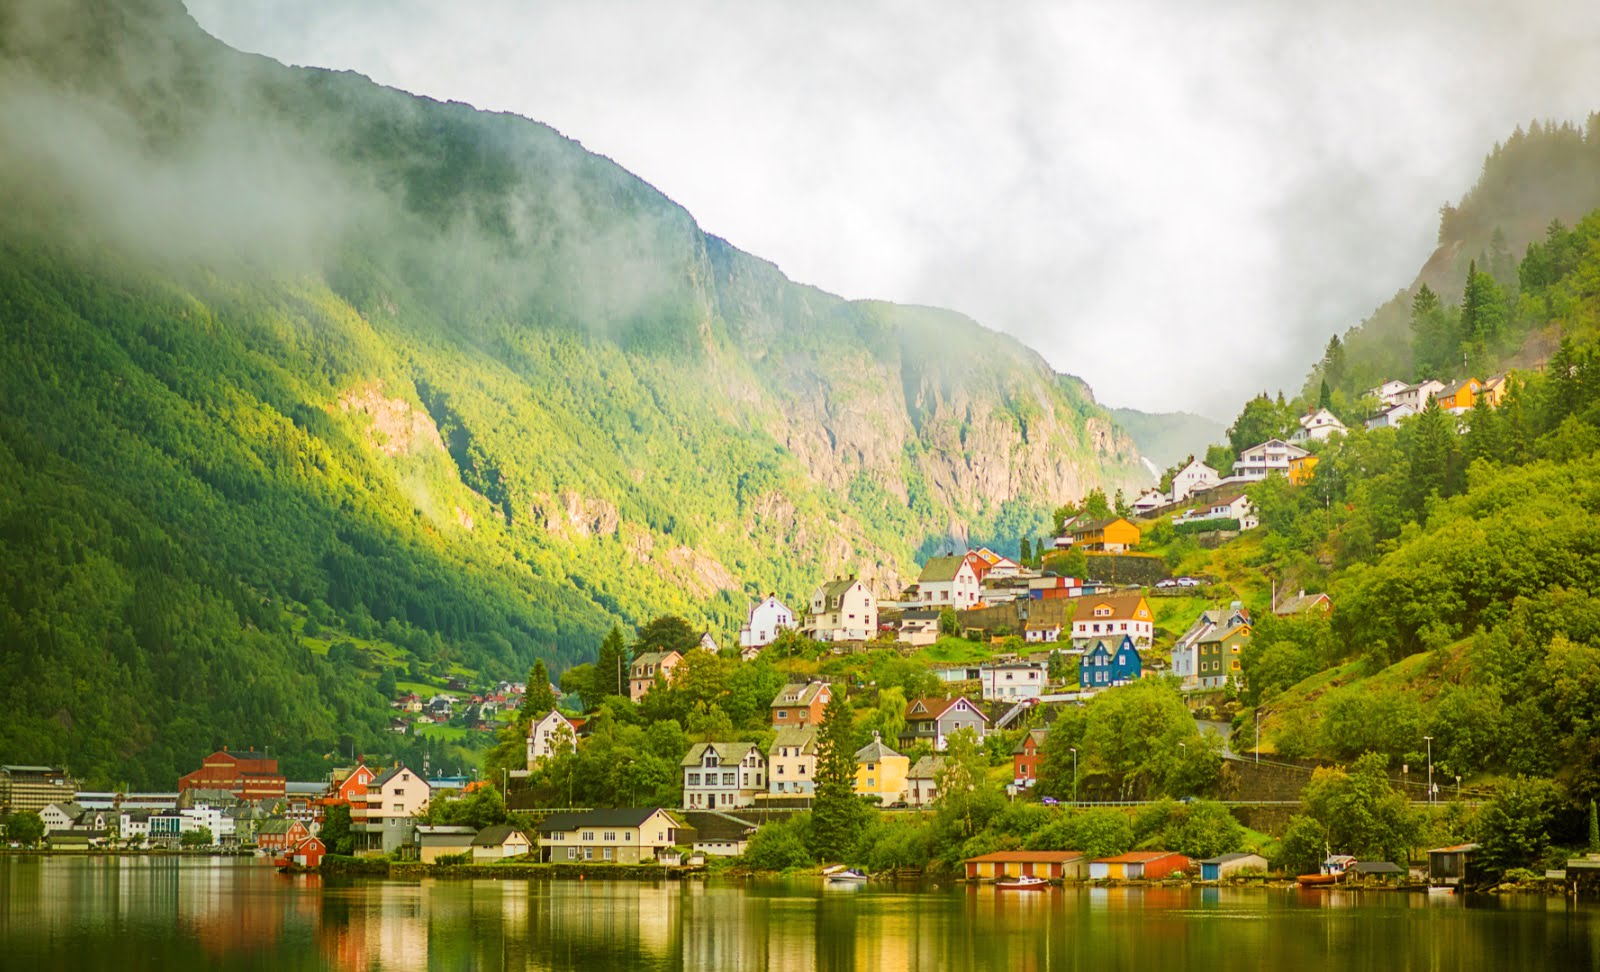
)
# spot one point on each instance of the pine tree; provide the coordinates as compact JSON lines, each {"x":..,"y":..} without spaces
{"x":1027,"y":552}
{"x":1432,"y":342}
{"x":1333,"y":363}
{"x":538,"y":698}
{"x":1594,"y":830}
{"x":610,"y":669}
{"x":1513,"y":418}
{"x":1482,"y":440}
{"x":1325,"y":396}
{"x":1433,"y":457}
{"x":837,"y":814}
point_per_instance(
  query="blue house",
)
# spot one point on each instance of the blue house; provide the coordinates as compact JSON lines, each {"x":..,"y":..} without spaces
{"x":1104,"y":666}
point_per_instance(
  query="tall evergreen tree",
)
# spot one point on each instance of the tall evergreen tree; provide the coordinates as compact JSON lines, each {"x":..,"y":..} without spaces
{"x":1433,"y":457}
{"x":667,"y":633}
{"x":611,"y":668}
{"x":837,"y":814}
{"x":538,"y":699}
{"x":1432,"y":339}
{"x":1027,"y":551}
{"x":1482,"y":440}
{"x":1333,"y":363}
{"x":1325,"y":395}
{"x":1513,"y":418}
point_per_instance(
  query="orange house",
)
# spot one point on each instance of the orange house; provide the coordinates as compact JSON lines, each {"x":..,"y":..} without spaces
{"x":1025,"y":758}
{"x":1113,"y":534}
{"x":1459,"y":395}
{"x":801,"y":704}
{"x":1302,"y":468}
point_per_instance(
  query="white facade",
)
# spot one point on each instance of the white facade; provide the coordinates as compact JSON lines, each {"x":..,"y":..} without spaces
{"x":765,"y":620}
{"x":961,"y":591}
{"x":1193,"y":478}
{"x":843,"y":610}
{"x":1009,"y":683}
{"x":1390,"y":417}
{"x":549,"y":735}
{"x":1261,"y":461}
{"x":1111,"y":618}
{"x":1317,"y":426}
{"x":717,"y":776}
{"x":1418,"y":395}
{"x":1041,"y":634}
{"x":397,"y":793}
{"x":1387,"y":391}
{"x":1153,"y":499}
{"x":1237,"y":508}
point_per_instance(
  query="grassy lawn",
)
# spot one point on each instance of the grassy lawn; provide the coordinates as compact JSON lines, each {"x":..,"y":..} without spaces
{"x":954,"y":651}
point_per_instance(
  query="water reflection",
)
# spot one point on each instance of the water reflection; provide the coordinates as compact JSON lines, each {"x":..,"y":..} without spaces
{"x":92,"y":913}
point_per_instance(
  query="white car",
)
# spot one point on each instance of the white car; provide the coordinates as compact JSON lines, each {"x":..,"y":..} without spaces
{"x":1190,"y":582}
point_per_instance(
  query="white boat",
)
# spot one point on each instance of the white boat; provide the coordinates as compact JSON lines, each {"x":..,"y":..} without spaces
{"x":1023,"y":883}
{"x":848,"y":876}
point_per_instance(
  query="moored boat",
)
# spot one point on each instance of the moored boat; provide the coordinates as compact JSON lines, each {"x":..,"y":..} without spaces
{"x":1317,"y":880}
{"x":848,"y":876}
{"x":1023,"y":883}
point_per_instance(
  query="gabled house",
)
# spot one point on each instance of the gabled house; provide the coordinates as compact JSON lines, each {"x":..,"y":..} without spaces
{"x":922,"y":785}
{"x":1050,"y":865}
{"x":1387,"y":392}
{"x":1317,"y":425}
{"x":948,"y":582}
{"x":1025,"y":758}
{"x":1230,"y":505}
{"x":1458,"y":396}
{"x":919,"y":627}
{"x":1303,"y":468}
{"x":1186,"y":652}
{"x":800,"y":704}
{"x":1107,"y":664}
{"x":647,"y":668}
{"x":1150,"y":500}
{"x":440,"y":840}
{"x":765,"y":619}
{"x":1193,"y":478}
{"x":1111,"y":535}
{"x":1303,"y":603}
{"x":718,"y":776}
{"x":1108,"y":615}
{"x":277,"y":834}
{"x":1228,"y":865}
{"x":1391,"y":416}
{"x":626,"y":835}
{"x":1418,"y":395}
{"x":717,"y":834}
{"x":1494,"y":389}
{"x":881,"y":772}
{"x":1041,"y":633}
{"x":1138,"y":866}
{"x":993,"y":564}
{"x":499,"y":842}
{"x":1260,"y":461}
{"x":549,"y":735}
{"x":307,"y":853}
{"x":1219,"y":651}
{"x":934,"y":720}
{"x":708,"y":643}
{"x":792,"y":761}
{"x":842,"y":610}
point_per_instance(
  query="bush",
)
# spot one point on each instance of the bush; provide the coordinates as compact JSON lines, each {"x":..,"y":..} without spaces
{"x":465,"y":857}
{"x":780,"y":846}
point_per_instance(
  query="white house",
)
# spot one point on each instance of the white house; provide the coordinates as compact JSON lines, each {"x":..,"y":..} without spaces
{"x":919,"y":628}
{"x":762,"y":624}
{"x":1013,"y":681}
{"x":500,"y":842}
{"x":843,"y":610}
{"x":1186,"y":652}
{"x":550,"y":734}
{"x":1317,"y":426}
{"x":717,"y":776}
{"x":1113,"y":615}
{"x":1041,"y":633}
{"x":1418,"y":395}
{"x":708,"y":643}
{"x":1193,"y":478}
{"x":1235,"y":507}
{"x":1152,"y":499}
{"x":996,"y":565}
{"x":1390,"y":417}
{"x":948,"y":582}
{"x":792,"y":761}
{"x":1388,"y":391}
{"x":1260,"y":461}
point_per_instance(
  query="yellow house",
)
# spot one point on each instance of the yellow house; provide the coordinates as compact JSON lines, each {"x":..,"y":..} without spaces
{"x":881,"y":772}
{"x":1302,"y":468}
{"x":1494,"y":390}
{"x":1113,"y":534}
{"x":1459,"y":395}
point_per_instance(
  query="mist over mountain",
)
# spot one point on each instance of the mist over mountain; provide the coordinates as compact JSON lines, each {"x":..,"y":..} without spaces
{"x":291,"y":352}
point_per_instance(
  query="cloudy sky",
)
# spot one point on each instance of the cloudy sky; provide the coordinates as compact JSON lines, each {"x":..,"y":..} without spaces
{"x":1178,"y":201}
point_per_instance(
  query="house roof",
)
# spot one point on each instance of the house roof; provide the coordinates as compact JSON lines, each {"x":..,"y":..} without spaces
{"x":1455,"y":386}
{"x":940,"y":570}
{"x":1138,"y":857}
{"x":1455,"y":849}
{"x":798,"y":694}
{"x":276,"y":825}
{"x":1376,"y":867}
{"x":495,"y":836}
{"x":1225,"y":858}
{"x":875,"y":752}
{"x":1027,"y":857}
{"x":936,"y":708}
{"x":802,"y":737}
{"x":654,"y":657}
{"x":1093,"y":526}
{"x":837,"y":587}
{"x":713,"y":825}
{"x":1124,"y":607}
{"x":616,"y":817}
{"x":446,"y":830}
{"x":1298,"y":603}
{"x":1221,"y":632}
{"x":728,"y":752}
{"x":925,"y":768}
{"x":1037,"y":735}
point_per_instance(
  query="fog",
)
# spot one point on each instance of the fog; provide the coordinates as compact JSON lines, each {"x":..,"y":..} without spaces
{"x":1178,"y":202}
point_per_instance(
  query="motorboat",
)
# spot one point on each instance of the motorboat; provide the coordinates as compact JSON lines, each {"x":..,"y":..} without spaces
{"x":1023,"y":883}
{"x":848,"y":876}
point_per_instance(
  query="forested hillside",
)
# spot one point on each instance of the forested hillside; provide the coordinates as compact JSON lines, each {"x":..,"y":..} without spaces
{"x":282,"y":346}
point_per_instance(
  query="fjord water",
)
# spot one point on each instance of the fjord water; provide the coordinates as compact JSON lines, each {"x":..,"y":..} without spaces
{"x":109,"y":913}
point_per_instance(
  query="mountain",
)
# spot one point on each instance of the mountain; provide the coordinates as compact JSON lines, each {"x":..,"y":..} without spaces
{"x":298,"y":363}
{"x":1167,"y":438}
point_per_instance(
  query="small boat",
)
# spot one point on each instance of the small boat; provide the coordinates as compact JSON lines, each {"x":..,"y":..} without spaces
{"x":1317,"y":880}
{"x":848,"y":876}
{"x":1440,"y":889}
{"x":1024,"y":883}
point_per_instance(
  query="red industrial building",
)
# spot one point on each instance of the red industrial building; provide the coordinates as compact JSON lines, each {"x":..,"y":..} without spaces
{"x":248,"y":775}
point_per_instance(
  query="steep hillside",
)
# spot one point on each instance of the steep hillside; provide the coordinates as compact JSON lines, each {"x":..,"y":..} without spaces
{"x":283,"y":345}
{"x":1167,"y":438}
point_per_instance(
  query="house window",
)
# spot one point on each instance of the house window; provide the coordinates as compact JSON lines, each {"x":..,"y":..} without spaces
{"x":727,"y":779}
{"x":605,"y":853}
{"x":611,"y":837}
{"x":588,"y":835}
{"x":588,"y":853}
{"x":572,"y":853}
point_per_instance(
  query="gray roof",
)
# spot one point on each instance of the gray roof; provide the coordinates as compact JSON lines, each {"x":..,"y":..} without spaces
{"x":874,"y":751}
{"x":836,"y":588}
{"x":802,"y":737}
{"x":712,"y":825}
{"x":798,"y":693}
{"x":925,"y":768}
{"x":1376,"y":867}
{"x":727,"y":753}
{"x":615,"y":817}
{"x":1225,"y":858}
{"x":938,"y":570}
{"x":494,"y":836}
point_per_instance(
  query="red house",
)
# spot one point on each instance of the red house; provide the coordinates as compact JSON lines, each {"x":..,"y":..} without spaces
{"x":348,"y":785}
{"x":279,"y":835}
{"x":1025,"y":758}
{"x":308,"y":853}
{"x":247,"y":775}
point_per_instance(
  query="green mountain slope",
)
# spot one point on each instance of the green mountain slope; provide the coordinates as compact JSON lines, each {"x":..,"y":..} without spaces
{"x":1167,"y":438}
{"x":283,"y":345}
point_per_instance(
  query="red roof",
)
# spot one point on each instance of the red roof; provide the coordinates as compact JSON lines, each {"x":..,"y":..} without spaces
{"x":1138,"y":857}
{"x":1026,"y":857}
{"x":938,"y":707}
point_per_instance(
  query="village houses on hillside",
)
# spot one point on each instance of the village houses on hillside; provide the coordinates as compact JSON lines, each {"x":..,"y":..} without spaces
{"x":843,"y":609}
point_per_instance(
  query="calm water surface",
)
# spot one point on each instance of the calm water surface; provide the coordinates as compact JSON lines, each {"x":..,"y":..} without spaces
{"x":109,"y":913}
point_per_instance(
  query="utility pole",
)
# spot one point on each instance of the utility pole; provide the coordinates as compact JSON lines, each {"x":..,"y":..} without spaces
{"x":1074,"y":774}
{"x":1430,"y":767}
{"x":1258,"y":735}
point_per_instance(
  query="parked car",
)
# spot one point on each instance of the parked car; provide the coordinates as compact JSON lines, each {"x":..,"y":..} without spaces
{"x":1169,"y":582}
{"x":1049,"y":801}
{"x":1190,"y":582}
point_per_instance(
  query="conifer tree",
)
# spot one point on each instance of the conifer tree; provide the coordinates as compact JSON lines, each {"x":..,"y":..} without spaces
{"x":538,"y":698}
{"x":1325,"y":395}
{"x":610,"y":669}
{"x":837,"y":814}
{"x":1433,"y":457}
{"x":1027,"y":552}
{"x":1594,"y":830}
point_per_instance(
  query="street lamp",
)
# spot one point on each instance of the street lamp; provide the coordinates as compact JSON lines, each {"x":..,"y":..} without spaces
{"x":1458,"y":787}
{"x":1430,"y":767}
{"x":1074,"y":774}
{"x":1258,"y":735}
